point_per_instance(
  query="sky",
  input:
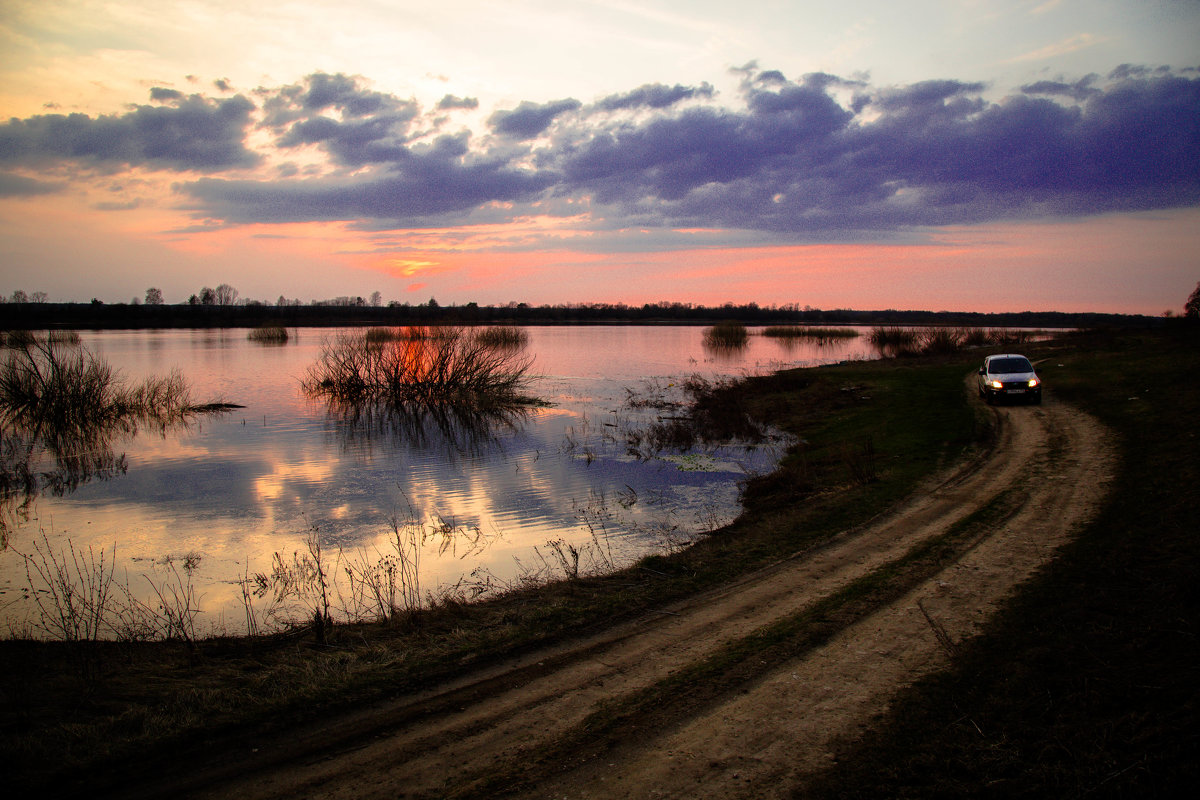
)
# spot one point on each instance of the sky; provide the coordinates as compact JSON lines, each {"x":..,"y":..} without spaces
{"x":931,"y":154}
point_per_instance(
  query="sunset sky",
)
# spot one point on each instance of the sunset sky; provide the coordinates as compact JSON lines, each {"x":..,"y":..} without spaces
{"x":932,"y":154}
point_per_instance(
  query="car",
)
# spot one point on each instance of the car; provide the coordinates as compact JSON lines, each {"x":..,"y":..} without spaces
{"x":1009,"y":377}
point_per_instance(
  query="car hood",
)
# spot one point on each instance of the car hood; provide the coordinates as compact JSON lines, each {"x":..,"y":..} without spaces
{"x":1008,"y":377}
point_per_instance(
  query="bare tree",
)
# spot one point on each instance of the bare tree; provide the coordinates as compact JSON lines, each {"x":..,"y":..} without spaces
{"x":39,"y":297}
{"x":19,"y":296}
{"x":208,"y":297}
{"x":154,"y":297}
{"x":376,"y":299}
{"x":226,"y":295}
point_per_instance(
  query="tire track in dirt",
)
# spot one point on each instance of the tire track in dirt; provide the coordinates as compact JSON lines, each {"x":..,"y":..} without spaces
{"x":778,"y":727}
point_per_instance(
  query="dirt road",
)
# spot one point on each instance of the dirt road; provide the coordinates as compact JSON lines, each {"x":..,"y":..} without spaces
{"x":531,"y":728}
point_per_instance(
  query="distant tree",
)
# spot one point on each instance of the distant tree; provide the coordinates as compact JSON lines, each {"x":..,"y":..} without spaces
{"x":20,"y":297}
{"x":226,"y":295}
{"x":154,"y":297}
{"x":208,"y":297}
{"x":282,"y":301}
{"x":193,"y":300}
{"x":1191,"y":309}
{"x":433,"y":303}
{"x":376,"y":299}
{"x":38,"y":297}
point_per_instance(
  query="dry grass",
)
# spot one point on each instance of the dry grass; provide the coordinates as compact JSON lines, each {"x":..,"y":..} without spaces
{"x":726,"y":335}
{"x":449,"y":368}
{"x":269,"y":334}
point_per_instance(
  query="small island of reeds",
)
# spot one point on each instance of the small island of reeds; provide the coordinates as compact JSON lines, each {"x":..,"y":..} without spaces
{"x":269,"y":334}
{"x":726,"y":335}
{"x":810,"y":332}
{"x":441,"y":366}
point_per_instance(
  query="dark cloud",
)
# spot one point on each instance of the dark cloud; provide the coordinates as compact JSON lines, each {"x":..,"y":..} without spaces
{"x":1079,"y":90}
{"x":426,"y":182}
{"x":816,"y":157}
{"x":20,"y":186}
{"x":450,"y":102}
{"x":356,"y":126}
{"x":160,"y":95}
{"x":654,"y":95}
{"x":529,"y":120}
{"x":193,"y":133}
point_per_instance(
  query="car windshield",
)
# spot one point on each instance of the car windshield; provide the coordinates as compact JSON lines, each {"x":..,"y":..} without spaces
{"x":1009,"y":366}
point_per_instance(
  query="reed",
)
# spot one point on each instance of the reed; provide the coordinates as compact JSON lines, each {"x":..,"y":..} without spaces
{"x":449,"y":368}
{"x":726,"y":335}
{"x":502,"y":336}
{"x":63,"y":337}
{"x":269,"y":334}
{"x":808,"y":332}
{"x":65,"y":388}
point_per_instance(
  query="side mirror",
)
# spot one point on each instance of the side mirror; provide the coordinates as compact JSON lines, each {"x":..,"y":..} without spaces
{"x":981,"y":370}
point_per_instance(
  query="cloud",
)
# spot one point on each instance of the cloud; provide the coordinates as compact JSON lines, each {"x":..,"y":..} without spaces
{"x":654,"y":95}
{"x":355,"y":125}
{"x":1081,"y":89}
{"x":192,"y":133}
{"x":20,"y":186}
{"x":424,"y":185}
{"x":816,"y":158}
{"x":450,"y":102}
{"x":529,"y":120}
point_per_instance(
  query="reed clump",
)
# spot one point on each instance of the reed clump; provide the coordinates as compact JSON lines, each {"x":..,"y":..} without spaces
{"x":935,"y":340}
{"x":726,"y":335}
{"x":443,"y":367}
{"x":502,"y":336}
{"x":66,"y":387}
{"x":809,"y":332}
{"x":269,"y":334}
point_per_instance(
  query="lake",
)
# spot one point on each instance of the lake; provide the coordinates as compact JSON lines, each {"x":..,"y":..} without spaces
{"x":523,"y":497}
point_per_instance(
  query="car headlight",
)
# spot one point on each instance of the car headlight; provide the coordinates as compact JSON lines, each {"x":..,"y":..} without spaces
{"x":1034,"y":382}
{"x":996,"y":384}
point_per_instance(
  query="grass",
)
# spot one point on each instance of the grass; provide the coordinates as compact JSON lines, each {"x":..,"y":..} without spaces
{"x":61,"y":408}
{"x":502,"y":336}
{"x":809,"y":332}
{"x":726,"y":335}
{"x":269,"y":334}
{"x":898,"y":341}
{"x":63,"y":387}
{"x":449,"y":367}
{"x":1086,"y":684}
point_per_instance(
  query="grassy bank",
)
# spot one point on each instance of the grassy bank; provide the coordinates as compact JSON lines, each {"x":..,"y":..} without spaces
{"x":1088,"y":684}
{"x":869,"y":432}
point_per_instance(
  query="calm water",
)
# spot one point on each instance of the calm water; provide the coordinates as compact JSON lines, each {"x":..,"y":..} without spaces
{"x":236,"y":488}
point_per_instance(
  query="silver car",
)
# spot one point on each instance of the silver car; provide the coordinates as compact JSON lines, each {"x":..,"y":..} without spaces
{"x":1009,"y":377}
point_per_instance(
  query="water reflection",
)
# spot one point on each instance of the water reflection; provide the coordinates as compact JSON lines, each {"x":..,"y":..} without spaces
{"x":454,"y":430}
{"x":248,"y":484}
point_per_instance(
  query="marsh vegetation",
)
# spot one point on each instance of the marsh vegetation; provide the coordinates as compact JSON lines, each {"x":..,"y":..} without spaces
{"x":809,"y":332}
{"x":897,"y":341}
{"x":62,"y":409}
{"x":726,"y":335}
{"x":269,"y":334}
{"x":425,"y":367}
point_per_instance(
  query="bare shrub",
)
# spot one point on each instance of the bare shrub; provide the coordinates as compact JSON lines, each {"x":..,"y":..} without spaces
{"x":812,"y":332}
{"x":72,"y":589}
{"x":726,"y":335}
{"x":502,"y":336}
{"x":449,"y":368}
{"x":269,"y":334}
